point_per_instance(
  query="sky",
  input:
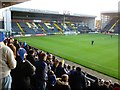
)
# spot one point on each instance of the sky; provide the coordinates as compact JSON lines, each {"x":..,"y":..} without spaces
{"x":89,"y":7}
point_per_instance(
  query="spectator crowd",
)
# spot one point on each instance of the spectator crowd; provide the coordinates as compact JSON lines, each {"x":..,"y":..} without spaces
{"x":39,"y":70}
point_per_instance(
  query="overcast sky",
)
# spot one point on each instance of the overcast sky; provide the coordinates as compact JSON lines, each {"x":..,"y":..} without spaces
{"x":89,"y":7}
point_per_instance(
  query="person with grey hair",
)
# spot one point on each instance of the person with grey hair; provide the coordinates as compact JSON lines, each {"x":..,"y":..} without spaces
{"x":62,"y":83}
{"x":7,"y":62}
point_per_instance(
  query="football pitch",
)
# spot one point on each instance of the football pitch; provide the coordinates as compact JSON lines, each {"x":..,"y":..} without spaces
{"x":102,"y":56}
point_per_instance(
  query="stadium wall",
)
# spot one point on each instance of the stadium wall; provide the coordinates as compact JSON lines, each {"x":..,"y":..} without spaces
{"x":7,"y":20}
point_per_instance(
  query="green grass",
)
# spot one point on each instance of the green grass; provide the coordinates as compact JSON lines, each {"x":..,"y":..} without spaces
{"x":102,"y":56}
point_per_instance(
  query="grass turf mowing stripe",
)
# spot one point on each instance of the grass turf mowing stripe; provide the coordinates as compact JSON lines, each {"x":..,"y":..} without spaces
{"x":102,"y":56}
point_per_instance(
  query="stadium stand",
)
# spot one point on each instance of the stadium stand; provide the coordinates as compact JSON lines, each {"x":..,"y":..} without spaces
{"x":45,"y":27}
{"x":15,"y":27}
{"x":110,"y":21}
{"x":69,"y":26}
{"x":55,"y":28}
{"x":40,"y":28}
{"x":25,"y":21}
{"x":27,"y":29}
{"x":83,"y":29}
{"x":111,"y":25}
{"x":61,"y":26}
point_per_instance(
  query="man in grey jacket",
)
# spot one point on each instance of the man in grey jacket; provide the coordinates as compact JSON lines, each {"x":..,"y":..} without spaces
{"x":7,"y":62}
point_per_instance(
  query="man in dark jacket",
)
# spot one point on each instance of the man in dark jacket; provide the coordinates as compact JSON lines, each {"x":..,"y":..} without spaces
{"x":41,"y":72}
{"x":23,"y":71}
{"x":77,"y":80}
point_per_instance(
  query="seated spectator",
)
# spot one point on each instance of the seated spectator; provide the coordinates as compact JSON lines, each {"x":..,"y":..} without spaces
{"x":105,"y":86}
{"x":95,"y":85}
{"x":116,"y":86}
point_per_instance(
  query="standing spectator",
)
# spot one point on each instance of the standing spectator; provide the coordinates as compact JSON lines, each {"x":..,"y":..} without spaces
{"x":72,"y":71}
{"x":25,"y":46}
{"x":22,"y":73}
{"x":55,"y":65}
{"x":17,"y":45}
{"x":41,"y":71}
{"x":31,"y":58}
{"x":7,"y":62}
{"x":60,"y":70}
{"x":77,"y":80}
{"x":11,"y":45}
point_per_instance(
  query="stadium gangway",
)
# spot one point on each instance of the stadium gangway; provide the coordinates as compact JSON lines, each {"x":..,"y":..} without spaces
{"x":113,"y":25}
{"x":69,"y":26}
{"x":61,"y":26}
{"x":57,"y":27}
{"x":110,"y":24}
{"x":21,"y":29}
{"x":45,"y":27}
{"x":42,"y":28}
{"x":15,"y":27}
{"x":29,"y":25}
{"x":50,"y":27}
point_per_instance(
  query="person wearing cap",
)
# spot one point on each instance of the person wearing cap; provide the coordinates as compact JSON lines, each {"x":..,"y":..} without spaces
{"x":7,"y":62}
{"x":23,"y":71}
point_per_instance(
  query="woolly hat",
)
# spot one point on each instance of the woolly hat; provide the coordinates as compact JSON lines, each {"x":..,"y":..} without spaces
{"x":2,"y":36}
{"x":22,"y":52}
